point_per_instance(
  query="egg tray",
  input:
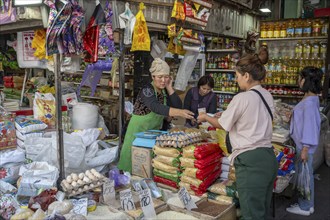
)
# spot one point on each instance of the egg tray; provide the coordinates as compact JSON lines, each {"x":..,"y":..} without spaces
{"x":178,"y":139}
{"x":74,"y":190}
{"x":177,"y":144}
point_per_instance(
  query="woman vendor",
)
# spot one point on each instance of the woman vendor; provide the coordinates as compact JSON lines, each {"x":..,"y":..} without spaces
{"x":154,"y":102}
{"x":201,"y":98}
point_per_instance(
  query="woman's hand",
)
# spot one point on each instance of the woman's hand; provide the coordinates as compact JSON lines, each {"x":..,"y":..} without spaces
{"x":304,"y":155}
{"x":168,"y":85}
{"x":218,"y":114}
{"x":184,"y":113}
{"x":201,"y":118}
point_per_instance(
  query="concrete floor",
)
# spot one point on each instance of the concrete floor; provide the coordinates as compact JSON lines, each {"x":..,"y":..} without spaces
{"x":322,"y":199}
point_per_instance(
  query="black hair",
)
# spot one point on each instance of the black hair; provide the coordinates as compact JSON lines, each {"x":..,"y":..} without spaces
{"x":206,"y":80}
{"x":313,"y":79}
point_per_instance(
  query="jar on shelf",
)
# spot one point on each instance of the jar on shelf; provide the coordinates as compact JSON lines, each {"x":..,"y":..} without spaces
{"x":306,"y":50}
{"x":298,"y":28}
{"x":307,"y":28}
{"x":270,"y":30}
{"x":263,"y":30}
{"x":316,"y":49}
{"x":316,"y":31}
{"x":290,"y":29}
{"x":298,"y":49}
{"x":325,"y":28}
{"x":283,"y":30}
{"x":323,"y":50}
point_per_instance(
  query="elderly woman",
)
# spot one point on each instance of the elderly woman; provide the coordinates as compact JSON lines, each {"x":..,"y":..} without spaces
{"x":154,"y":102}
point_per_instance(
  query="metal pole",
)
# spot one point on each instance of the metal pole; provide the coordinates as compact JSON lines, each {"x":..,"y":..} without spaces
{"x":121,"y":87}
{"x":59,"y":129}
{"x":24,"y":85}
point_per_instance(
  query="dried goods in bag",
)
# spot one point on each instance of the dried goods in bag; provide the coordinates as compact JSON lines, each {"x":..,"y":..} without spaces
{"x":201,"y":174}
{"x":172,"y":161}
{"x":166,"y":175}
{"x":164,"y":167}
{"x":167,"y":151}
{"x":167,"y":182}
{"x":199,"y":151}
{"x":226,"y":188}
{"x":224,"y":200}
{"x":201,"y":163}
{"x":201,"y":184}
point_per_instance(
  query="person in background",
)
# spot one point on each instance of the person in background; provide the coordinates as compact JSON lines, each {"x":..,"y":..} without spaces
{"x":154,"y":102}
{"x":201,"y":99}
{"x":248,"y":119}
{"x":305,"y":131}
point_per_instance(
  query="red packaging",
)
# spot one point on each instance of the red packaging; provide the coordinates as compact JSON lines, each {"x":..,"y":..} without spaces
{"x":8,"y":79}
{"x":200,"y":151}
{"x":167,"y":182}
{"x":211,"y":159}
{"x":9,"y":84}
{"x":188,"y":10}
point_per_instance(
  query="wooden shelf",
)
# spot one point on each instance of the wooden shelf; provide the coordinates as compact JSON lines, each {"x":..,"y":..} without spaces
{"x":99,"y":98}
{"x":293,"y":38}
{"x":224,"y":92}
{"x":221,"y":50}
{"x":220,"y":70}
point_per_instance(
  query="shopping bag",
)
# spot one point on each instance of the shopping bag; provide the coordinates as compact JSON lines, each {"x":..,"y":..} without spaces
{"x":7,"y":130}
{"x":141,"y":38}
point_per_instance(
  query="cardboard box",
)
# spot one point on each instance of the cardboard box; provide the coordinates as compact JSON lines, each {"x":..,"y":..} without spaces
{"x":141,"y":162}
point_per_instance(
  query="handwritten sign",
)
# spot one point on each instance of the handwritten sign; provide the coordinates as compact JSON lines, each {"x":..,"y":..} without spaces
{"x":126,"y":200}
{"x":186,"y":199}
{"x":137,"y":186}
{"x":147,"y":204}
{"x":109,"y":193}
{"x":80,"y":206}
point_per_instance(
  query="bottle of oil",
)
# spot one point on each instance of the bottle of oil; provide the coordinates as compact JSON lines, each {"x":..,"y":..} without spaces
{"x":307,"y":50}
{"x":316,"y":49}
{"x":277,"y":30}
{"x":270,"y":30}
{"x":323,"y":50}
{"x":298,"y":49}
{"x":283,"y":30}
{"x":290,"y":29}
{"x":325,"y":28}
{"x":298,"y":28}
{"x":263,"y":30}
{"x":316,"y":31}
{"x":307,"y":30}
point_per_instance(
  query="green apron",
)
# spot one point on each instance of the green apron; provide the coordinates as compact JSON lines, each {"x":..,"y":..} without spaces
{"x":138,"y":123}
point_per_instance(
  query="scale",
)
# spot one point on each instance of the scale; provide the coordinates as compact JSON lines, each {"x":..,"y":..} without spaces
{"x":147,"y":139}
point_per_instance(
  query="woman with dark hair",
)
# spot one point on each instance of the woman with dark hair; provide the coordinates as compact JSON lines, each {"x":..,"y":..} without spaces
{"x":248,"y":119}
{"x":201,"y":98}
{"x":305,"y":131}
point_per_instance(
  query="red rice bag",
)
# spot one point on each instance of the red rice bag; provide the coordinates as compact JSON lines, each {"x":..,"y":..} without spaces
{"x":167,"y":182}
{"x":202,"y":150}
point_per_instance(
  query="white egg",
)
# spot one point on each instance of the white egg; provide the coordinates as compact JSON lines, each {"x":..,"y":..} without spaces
{"x":86,"y":179}
{"x":74,"y":184}
{"x":81,"y":176}
{"x":69,"y":179}
{"x":74,"y":176}
{"x":80,"y":182}
{"x":93,"y":171}
{"x":86,"y":187}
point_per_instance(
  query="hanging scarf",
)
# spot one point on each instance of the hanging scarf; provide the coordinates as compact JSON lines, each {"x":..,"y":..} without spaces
{"x":75,"y":42}
{"x":91,"y":37}
{"x":106,"y":43}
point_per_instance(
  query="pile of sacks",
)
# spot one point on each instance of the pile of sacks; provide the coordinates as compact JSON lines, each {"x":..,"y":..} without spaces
{"x":201,"y":167}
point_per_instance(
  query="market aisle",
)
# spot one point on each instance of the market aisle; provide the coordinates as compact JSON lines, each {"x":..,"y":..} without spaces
{"x":322,"y":200}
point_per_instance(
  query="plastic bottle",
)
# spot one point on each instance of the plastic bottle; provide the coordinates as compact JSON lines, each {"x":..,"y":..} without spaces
{"x":290,"y":29}
{"x":277,"y":30}
{"x":298,"y":28}
{"x":316,"y":49}
{"x":283,"y":30}
{"x":325,"y":28}
{"x":298,"y":49}
{"x":316,"y":31}
{"x":270,"y":31}
{"x":307,"y":30}
{"x":323,"y":50}
{"x":306,"y":50}
{"x":263,"y":30}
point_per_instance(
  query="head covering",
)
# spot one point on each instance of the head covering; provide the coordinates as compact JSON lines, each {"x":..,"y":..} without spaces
{"x":159,"y":67}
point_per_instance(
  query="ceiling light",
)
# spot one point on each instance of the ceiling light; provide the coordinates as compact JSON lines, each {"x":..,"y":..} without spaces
{"x":265,"y":10}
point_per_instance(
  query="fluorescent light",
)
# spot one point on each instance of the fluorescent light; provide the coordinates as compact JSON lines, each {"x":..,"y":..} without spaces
{"x":27,"y":2}
{"x":265,"y":10}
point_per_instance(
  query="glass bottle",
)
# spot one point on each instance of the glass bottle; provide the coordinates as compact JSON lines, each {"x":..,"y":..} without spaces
{"x":307,"y":31}
{"x":298,"y":49}
{"x":277,"y":30}
{"x":325,"y":28}
{"x":323,"y":50}
{"x":283,"y":30}
{"x":307,"y":50}
{"x":298,"y":28}
{"x":290,"y":29}
{"x":316,"y":31}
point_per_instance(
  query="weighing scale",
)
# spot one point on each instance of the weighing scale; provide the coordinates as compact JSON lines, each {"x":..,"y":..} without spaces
{"x":147,"y":139}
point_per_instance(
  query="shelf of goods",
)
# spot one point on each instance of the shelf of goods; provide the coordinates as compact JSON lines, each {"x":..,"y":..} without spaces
{"x":221,"y":70}
{"x":294,"y":44}
{"x":221,"y":51}
{"x":224,"y":92}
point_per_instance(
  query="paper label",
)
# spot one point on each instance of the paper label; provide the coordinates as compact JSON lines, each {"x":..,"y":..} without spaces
{"x":186,"y":199}
{"x":126,"y":200}
{"x":109,"y":193}
{"x":80,"y":206}
{"x":147,"y":204}
{"x":137,"y":186}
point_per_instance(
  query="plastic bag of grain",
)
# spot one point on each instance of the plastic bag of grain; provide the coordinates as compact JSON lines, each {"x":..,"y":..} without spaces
{"x":167,"y":182}
{"x":171,"y":161}
{"x":201,"y":184}
{"x":223,"y":200}
{"x":200,"y":163}
{"x":201,"y":174}
{"x":200,"y":151}
{"x":226,"y":188}
{"x":164,"y":167}
{"x":166,"y":175}
{"x":167,"y":151}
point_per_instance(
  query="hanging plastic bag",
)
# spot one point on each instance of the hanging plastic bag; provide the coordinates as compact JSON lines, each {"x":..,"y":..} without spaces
{"x":301,"y":180}
{"x":127,"y":21}
{"x":141,"y":38}
{"x":44,"y":108}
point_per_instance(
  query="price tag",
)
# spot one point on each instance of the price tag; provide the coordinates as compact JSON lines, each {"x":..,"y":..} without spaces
{"x":186,"y":199}
{"x":80,"y":206}
{"x":126,"y":200}
{"x":109,"y":193}
{"x":147,"y":204}
{"x":137,"y":186}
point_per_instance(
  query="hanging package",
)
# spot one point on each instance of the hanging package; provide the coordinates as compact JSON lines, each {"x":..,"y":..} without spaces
{"x":141,"y":38}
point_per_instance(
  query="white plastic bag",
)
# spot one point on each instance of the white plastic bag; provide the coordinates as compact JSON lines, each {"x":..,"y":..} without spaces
{"x":84,"y":116}
{"x":12,"y":156}
{"x":102,"y":157}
